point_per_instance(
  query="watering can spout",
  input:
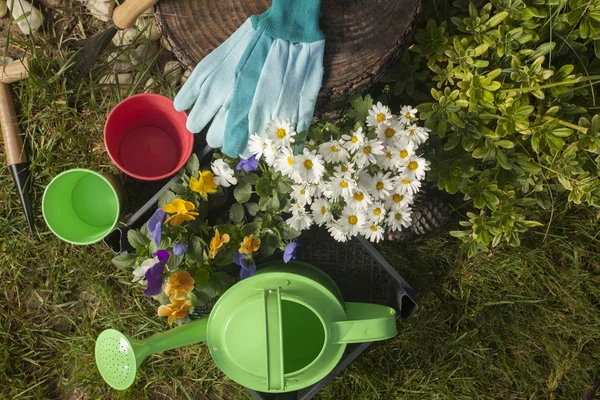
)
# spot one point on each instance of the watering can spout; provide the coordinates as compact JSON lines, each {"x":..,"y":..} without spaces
{"x":118,"y":357}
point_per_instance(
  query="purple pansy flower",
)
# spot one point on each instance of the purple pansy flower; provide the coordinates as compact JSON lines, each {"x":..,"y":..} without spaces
{"x":248,"y":165}
{"x":179,"y":248}
{"x":154,"y":275}
{"x":290,"y":251}
{"x":155,"y":225}
{"x":248,"y":267}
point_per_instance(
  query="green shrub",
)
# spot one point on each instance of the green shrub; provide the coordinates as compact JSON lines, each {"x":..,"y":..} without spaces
{"x":512,"y":99}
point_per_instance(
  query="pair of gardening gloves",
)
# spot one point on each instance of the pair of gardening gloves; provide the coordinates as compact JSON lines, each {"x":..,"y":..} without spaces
{"x":272,"y":66}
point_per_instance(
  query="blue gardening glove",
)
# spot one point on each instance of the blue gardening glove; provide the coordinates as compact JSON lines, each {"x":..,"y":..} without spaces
{"x":278,"y":73}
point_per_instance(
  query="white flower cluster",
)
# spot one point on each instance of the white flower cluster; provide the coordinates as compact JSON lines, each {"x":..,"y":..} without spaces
{"x":362,"y":183}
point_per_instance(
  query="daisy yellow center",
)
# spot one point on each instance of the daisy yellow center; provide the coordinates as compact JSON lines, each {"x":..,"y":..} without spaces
{"x":413,"y":165}
{"x":388,"y":155}
{"x":379,"y":185}
{"x":281,"y":133}
{"x":398,"y":216}
{"x":405,"y":181}
{"x":323,"y":210}
{"x":308,"y":164}
{"x":335,"y":149}
{"x":353,"y":220}
{"x":374,"y":228}
{"x":403,"y":153}
{"x":411,"y":132}
{"x":389,"y":132}
{"x":380,"y":117}
{"x":302,"y":191}
{"x":344,"y":184}
{"x":407,"y":115}
{"x":398,"y":198}
{"x":290,"y":161}
{"x":367,"y":150}
{"x":377,"y":211}
{"x":354,"y":139}
{"x":359,"y":196}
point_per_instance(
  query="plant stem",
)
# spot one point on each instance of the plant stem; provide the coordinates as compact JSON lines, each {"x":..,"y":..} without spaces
{"x":565,"y":123}
{"x":551,"y":85}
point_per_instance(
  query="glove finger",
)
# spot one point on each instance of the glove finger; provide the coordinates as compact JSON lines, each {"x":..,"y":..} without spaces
{"x":268,"y":88}
{"x":216,"y":131}
{"x":227,"y":52}
{"x":312,"y":85}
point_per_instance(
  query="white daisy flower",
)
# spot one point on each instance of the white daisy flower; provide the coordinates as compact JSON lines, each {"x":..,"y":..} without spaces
{"x":337,"y":232}
{"x":302,"y":194}
{"x":381,"y":185}
{"x":363,"y":180}
{"x":334,"y":152}
{"x":287,"y":163}
{"x":399,"y":200}
{"x":373,"y":232}
{"x":366,"y":153}
{"x":257,"y":145}
{"x":223,"y":174}
{"x":270,"y":153}
{"x":360,"y":200}
{"x":321,"y":210}
{"x":344,"y":168}
{"x":281,"y":132}
{"x":310,"y":166}
{"x":352,"y":221}
{"x":300,"y":220}
{"x":389,"y":134}
{"x":407,"y":113}
{"x":416,"y":134}
{"x":417,"y":167}
{"x":399,"y":218}
{"x":379,"y":115}
{"x":139,"y":274}
{"x":402,"y":153}
{"x":340,"y":185}
{"x":355,"y":140}
{"x":386,"y":161}
{"x":407,"y":184}
{"x":376,"y":213}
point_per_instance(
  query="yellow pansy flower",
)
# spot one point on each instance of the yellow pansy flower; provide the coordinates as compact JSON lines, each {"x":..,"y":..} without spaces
{"x":216,"y":242}
{"x":179,"y":285}
{"x":249,"y":245}
{"x":182,"y":210}
{"x":177,"y":309}
{"x":206,"y":184}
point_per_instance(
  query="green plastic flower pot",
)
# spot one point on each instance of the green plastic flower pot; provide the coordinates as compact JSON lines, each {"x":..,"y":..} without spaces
{"x":81,"y":206}
{"x":281,"y":330}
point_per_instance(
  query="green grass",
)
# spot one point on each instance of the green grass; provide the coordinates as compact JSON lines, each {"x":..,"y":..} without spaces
{"x":514,"y":324}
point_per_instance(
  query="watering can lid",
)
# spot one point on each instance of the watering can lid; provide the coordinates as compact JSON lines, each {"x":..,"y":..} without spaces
{"x":264,"y":328}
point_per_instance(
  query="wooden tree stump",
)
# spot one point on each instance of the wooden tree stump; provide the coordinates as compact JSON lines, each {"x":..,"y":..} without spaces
{"x":362,"y":37}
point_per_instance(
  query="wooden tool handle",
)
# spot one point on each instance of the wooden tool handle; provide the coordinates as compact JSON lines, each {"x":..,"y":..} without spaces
{"x":13,"y":144}
{"x":15,"y":71}
{"x":125,"y":15}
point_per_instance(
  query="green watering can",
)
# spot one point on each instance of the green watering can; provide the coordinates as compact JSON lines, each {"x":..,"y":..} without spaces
{"x":281,"y":330}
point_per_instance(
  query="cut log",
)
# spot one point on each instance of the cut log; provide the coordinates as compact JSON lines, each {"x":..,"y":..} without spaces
{"x":363,"y":37}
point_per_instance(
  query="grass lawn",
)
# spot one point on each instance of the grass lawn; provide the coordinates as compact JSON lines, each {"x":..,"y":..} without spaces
{"x":514,"y":324}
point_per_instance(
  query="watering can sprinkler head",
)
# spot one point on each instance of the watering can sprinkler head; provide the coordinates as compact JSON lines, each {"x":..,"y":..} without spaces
{"x":116,"y":358}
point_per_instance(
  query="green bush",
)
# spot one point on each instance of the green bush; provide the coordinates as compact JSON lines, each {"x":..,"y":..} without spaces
{"x":514,"y":105}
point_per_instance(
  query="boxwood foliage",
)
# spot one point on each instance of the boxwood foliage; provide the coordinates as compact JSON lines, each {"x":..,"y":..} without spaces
{"x":508,"y":86}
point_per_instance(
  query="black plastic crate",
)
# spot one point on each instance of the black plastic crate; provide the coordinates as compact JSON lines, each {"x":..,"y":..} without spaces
{"x":357,"y":267}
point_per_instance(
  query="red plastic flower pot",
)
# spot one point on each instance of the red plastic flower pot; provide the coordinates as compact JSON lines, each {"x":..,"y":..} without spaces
{"x":146,"y":137}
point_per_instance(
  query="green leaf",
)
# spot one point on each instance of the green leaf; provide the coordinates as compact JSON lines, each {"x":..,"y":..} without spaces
{"x":236,"y":213}
{"x":274,"y":203}
{"x":251,"y":228}
{"x":243,"y":192}
{"x":195,"y":249}
{"x":360,"y":107}
{"x":263,"y":187}
{"x":166,"y":198}
{"x":178,"y":188}
{"x":220,"y":281}
{"x":480,"y":152}
{"x":252,"y":208}
{"x":542,"y":50}
{"x":174,"y":261}
{"x":201,"y":277}
{"x":562,"y":132}
{"x":505,"y":144}
{"x":136,"y":239}
{"x":193,"y":165}
{"x":287,"y":233}
{"x":125,"y":260}
{"x":251,"y":178}
{"x":283,"y":187}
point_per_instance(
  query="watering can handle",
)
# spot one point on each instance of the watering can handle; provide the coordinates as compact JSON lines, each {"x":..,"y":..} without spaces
{"x":366,"y":323}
